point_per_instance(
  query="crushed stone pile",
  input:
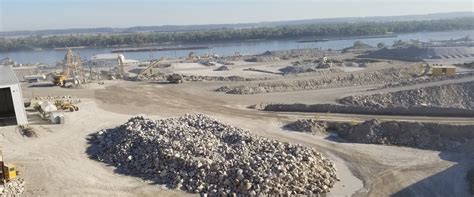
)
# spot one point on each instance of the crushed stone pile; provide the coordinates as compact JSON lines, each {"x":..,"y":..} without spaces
{"x":263,"y":58}
{"x":414,"y":53}
{"x":222,"y":68}
{"x":430,"y":136}
{"x":13,"y":188}
{"x":340,"y":80}
{"x":421,"y":80}
{"x":459,"y":95}
{"x":200,"y":155}
{"x":307,"y":125}
{"x":220,"y":78}
{"x":308,"y":69}
{"x":470,"y":179}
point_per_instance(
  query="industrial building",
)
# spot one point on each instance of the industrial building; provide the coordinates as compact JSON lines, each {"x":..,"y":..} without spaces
{"x":12,"y":109}
{"x":111,"y":60}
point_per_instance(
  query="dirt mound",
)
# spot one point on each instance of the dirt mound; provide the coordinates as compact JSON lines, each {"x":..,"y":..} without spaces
{"x":460,"y":95}
{"x":418,"y":135}
{"x":342,"y":80}
{"x":201,"y":155}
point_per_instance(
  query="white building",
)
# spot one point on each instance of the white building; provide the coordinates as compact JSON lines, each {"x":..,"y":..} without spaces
{"x":111,"y":60}
{"x":12,"y":109}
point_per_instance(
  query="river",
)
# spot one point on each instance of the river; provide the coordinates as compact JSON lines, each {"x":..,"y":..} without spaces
{"x":228,"y":48}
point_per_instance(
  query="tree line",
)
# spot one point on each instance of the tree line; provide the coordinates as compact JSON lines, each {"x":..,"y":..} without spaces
{"x":225,"y":34}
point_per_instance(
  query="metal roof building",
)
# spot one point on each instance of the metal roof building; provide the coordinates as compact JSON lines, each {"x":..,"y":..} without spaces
{"x":12,"y":109}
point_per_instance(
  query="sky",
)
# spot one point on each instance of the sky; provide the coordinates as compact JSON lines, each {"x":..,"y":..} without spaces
{"x":60,"y":14}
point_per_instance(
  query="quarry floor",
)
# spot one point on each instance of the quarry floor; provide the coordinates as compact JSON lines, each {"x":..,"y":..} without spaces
{"x":56,"y":163}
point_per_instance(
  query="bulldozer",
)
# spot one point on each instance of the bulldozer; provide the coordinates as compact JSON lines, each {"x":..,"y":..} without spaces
{"x":66,"y":106}
{"x":8,"y":171}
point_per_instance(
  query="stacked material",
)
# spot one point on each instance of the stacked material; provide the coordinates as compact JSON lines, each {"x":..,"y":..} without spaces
{"x":200,"y":155}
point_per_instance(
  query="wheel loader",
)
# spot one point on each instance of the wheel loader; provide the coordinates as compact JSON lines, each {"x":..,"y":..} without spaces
{"x":66,"y":106}
{"x":8,"y":171}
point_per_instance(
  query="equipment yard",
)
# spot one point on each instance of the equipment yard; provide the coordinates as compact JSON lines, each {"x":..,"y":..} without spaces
{"x":277,"y":123}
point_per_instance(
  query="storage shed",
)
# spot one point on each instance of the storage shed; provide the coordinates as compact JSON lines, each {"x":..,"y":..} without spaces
{"x":12,"y":109}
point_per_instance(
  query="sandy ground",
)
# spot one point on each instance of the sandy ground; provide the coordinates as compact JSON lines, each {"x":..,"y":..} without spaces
{"x":56,"y":163}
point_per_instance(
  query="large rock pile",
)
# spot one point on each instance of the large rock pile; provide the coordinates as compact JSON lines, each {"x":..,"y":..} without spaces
{"x":460,"y":95}
{"x":12,"y":188}
{"x":341,"y":80}
{"x":418,"y":135}
{"x":201,"y":155}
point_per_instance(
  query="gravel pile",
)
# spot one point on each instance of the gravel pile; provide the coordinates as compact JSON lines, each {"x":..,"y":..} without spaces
{"x":470,"y":179}
{"x":222,"y":68}
{"x":411,"y":134}
{"x":307,"y":125}
{"x":219,"y":78}
{"x":422,"y":80}
{"x":200,"y":155}
{"x":308,"y":69}
{"x":413,"y":53}
{"x":13,"y":188}
{"x":263,"y":58}
{"x":460,"y":95}
{"x":342,"y":80}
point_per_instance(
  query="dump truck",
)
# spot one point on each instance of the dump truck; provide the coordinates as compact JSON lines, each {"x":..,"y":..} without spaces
{"x":8,"y":171}
{"x":59,"y":80}
{"x":175,"y":78}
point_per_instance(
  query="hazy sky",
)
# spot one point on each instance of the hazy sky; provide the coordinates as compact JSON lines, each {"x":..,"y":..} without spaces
{"x":53,"y":14}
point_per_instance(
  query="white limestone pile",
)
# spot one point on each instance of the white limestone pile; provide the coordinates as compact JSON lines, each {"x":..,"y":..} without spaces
{"x":200,"y":155}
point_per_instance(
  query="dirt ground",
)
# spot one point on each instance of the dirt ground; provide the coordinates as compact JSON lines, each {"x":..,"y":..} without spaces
{"x":56,"y":163}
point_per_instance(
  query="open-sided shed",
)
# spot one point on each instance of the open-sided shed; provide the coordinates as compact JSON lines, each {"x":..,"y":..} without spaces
{"x":12,"y":109}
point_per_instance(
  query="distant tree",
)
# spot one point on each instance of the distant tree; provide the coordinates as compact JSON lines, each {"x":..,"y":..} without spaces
{"x":227,"y":34}
{"x":380,"y":45}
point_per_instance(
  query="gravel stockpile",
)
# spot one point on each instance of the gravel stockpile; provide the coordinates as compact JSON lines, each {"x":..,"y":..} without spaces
{"x":414,"y":53}
{"x":307,"y":125}
{"x":263,"y":58}
{"x":350,"y":79}
{"x":220,"y":78}
{"x":222,"y":68}
{"x":200,"y":155}
{"x":422,"y":80}
{"x":13,"y":188}
{"x":418,"y":135}
{"x":308,"y":69}
{"x":460,"y":95}
{"x":470,"y":179}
